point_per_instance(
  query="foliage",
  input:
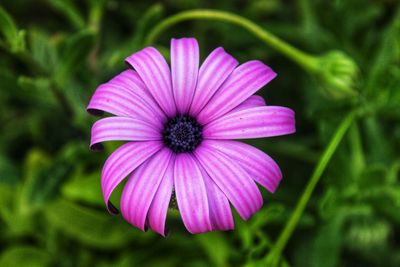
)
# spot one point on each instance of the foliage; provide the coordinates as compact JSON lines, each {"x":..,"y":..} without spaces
{"x":53,"y":54}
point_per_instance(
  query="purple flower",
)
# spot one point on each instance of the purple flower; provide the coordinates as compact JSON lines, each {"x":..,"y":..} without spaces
{"x":180,"y":123}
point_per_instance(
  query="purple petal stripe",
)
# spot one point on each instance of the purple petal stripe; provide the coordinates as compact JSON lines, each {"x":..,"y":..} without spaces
{"x":220,"y":210}
{"x":213,"y":72}
{"x":159,"y":207}
{"x":122,"y":129}
{"x":123,"y":102}
{"x":184,"y":69}
{"x":244,"y":81}
{"x":261,"y":167}
{"x":141,"y":188}
{"x":155,"y":73}
{"x":235,"y":182}
{"x":131,"y":80}
{"x":191,"y":194}
{"x":252,"y":123}
{"x":122,"y":162}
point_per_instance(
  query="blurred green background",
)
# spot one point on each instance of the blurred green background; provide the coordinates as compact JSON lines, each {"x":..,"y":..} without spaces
{"x":53,"y":54}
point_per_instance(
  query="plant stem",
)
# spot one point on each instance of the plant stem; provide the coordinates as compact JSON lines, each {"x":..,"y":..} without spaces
{"x":306,"y":13}
{"x":272,"y":259}
{"x":95,"y":14}
{"x":305,"y":60}
{"x":357,"y":154}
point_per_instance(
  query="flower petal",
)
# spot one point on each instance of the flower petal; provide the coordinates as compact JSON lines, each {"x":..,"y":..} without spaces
{"x":251,"y":102}
{"x":122,"y":129}
{"x":184,"y":70}
{"x":131,"y":80}
{"x":261,"y":167}
{"x":141,"y":188}
{"x":122,"y":162}
{"x":244,"y":81}
{"x":155,"y":73}
{"x":232,"y":179}
{"x":252,"y":123}
{"x":120,"y":101}
{"x":220,"y":210}
{"x":159,"y":207}
{"x":213,"y":72}
{"x":191,"y":194}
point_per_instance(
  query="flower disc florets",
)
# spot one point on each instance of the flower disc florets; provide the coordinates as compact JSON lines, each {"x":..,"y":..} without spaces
{"x":182,"y":134}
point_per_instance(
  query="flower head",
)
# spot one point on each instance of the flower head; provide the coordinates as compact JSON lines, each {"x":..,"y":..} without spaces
{"x":179,"y":124}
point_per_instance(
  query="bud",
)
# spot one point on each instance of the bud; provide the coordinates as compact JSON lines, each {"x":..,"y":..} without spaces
{"x":337,"y":72}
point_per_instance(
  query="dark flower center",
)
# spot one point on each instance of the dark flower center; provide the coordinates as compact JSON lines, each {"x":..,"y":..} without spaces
{"x":182,"y":134}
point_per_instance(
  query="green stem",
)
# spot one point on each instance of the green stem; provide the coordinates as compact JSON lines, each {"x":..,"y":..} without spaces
{"x":306,"y":13}
{"x":272,"y":259}
{"x":305,"y":60}
{"x":357,"y":153}
{"x":95,"y":14}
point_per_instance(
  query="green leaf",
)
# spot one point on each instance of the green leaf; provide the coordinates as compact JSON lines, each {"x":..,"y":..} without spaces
{"x":24,"y":256}
{"x":387,"y":55}
{"x":43,"y":49}
{"x":43,"y":179}
{"x":69,"y":10}
{"x":73,"y":54}
{"x":8,"y":170}
{"x":328,"y":242}
{"x":6,"y":201}
{"x":14,"y":38}
{"x":7,"y":26}
{"x":93,"y":228}
{"x":37,"y":90}
{"x":216,"y":247}
{"x":84,"y":188}
{"x":368,"y":234}
{"x":373,"y":176}
{"x":379,"y":148}
{"x":150,"y":16}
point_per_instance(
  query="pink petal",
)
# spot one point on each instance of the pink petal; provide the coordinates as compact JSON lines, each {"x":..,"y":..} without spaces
{"x":213,"y":72}
{"x":252,"y":123}
{"x":261,"y":167}
{"x":251,"y":102}
{"x":141,"y":188}
{"x":159,"y":207}
{"x":122,"y":129}
{"x":184,"y":69}
{"x":130,"y":80}
{"x":122,"y":162}
{"x":155,"y":73}
{"x":220,"y":210}
{"x":191,"y":194}
{"x":121,"y":101}
{"x":232,"y":179}
{"x":244,"y":81}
